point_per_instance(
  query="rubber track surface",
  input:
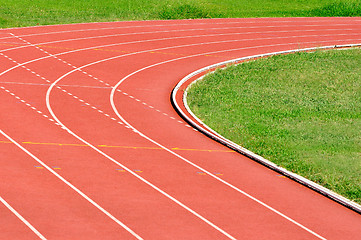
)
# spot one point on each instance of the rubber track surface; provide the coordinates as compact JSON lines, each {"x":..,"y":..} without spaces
{"x":91,"y":147}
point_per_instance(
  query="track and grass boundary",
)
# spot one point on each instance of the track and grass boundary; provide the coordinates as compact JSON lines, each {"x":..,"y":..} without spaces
{"x":23,"y":13}
{"x":203,"y":128}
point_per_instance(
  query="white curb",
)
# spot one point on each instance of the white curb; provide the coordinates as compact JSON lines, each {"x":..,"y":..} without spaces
{"x":200,"y":126}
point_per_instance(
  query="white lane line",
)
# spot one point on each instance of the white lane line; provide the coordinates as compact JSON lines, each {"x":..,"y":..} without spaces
{"x":157,"y":49}
{"x":228,"y":50}
{"x":70,"y":94}
{"x":169,"y":23}
{"x":72,"y":186}
{"x":181,"y":37}
{"x":188,"y":161}
{"x":26,"y":103}
{"x":48,"y":93}
{"x":195,"y":29}
{"x":80,"y":69}
{"x":84,"y":72}
{"x":22,"y":218}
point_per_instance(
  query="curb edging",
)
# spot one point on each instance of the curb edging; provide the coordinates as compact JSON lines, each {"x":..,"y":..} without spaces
{"x":206,"y":130}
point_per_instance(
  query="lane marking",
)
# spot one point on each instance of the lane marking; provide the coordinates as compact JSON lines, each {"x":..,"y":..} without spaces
{"x":22,"y":218}
{"x":195,"y":29}
{"x":72,"y":186}
{"x":188,"y":161}
{"x":28,"y":105}
{"x":114,"y":89}
{"x":172,"y":38}
{"x":62,"y":89}
{"x":129,"y":170}
{"x":84,"y":72}
{"x":199,"y":54}
{"x":169,"y":23}
{"x":79,"y":69}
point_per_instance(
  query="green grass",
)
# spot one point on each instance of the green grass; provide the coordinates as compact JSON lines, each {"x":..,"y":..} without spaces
{"x":18,"y":13}
{"x":340,"y":8}
{"x":301,"y":111}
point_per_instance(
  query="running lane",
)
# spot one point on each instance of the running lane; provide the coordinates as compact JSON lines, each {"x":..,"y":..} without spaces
{"x":91,"y":147}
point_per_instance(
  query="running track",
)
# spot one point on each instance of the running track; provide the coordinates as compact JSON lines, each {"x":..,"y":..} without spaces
{"x":91,"y":147}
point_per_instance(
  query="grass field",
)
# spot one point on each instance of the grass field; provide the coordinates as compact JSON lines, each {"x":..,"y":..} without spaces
{"x":301,"y":111}
{"x":18,"y":13}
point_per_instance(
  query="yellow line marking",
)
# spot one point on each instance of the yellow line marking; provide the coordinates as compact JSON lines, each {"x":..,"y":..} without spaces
{"x":125,"y":147}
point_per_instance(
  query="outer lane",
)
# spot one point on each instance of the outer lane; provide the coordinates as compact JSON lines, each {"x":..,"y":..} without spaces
{"x":157,"y":95}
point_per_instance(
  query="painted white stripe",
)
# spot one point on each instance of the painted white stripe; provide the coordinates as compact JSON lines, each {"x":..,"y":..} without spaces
{"x":48,"y":93}
{"x":169,"y":22}
{"x":186,"y":160}
{"x":342,"y":40}
{"x":164,"y":48}
{"x":51,"y":55}
{"x":114,"y":89}
{"x":71,"y":186}
{"x":21,"y":217}
{"x":181,"y":37}
{"x":195,"y":29}
{"x":204,"y":128}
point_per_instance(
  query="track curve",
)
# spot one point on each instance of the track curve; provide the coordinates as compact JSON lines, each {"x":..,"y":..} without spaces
{"x":87,"y":105}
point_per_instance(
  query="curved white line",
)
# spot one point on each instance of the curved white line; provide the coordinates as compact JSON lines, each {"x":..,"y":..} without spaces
{"x":140,"y":26}
{"x":179,"y":30}
{"x":157,"y":49}
{"x":127,"y":169}
{"x":141,"y":41}
{"x":149,"y":50}
{"x":188,"y":161}
{"x":214,"y":135}
{"x":72,"y":186}
{"x":21,"y":217}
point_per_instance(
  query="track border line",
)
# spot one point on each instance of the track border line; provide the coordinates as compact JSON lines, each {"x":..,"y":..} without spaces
{"x":96,"y":205}
{"x":206,"y":130}
{"x":18,"y":215}
{"x":168,"y":20}
{"x":51,"y":56}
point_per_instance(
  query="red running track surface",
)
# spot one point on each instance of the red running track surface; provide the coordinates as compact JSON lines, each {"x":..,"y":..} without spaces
{"x":91,"y":147}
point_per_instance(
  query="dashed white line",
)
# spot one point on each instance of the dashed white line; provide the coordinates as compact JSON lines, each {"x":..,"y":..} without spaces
{"x":27,"y":104}
{"x":127,"y":169}
{"x":112,"y":94}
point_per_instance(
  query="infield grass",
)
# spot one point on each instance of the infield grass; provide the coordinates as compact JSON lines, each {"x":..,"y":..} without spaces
{"x":19,"y":13}
{"x":302,"y":111}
